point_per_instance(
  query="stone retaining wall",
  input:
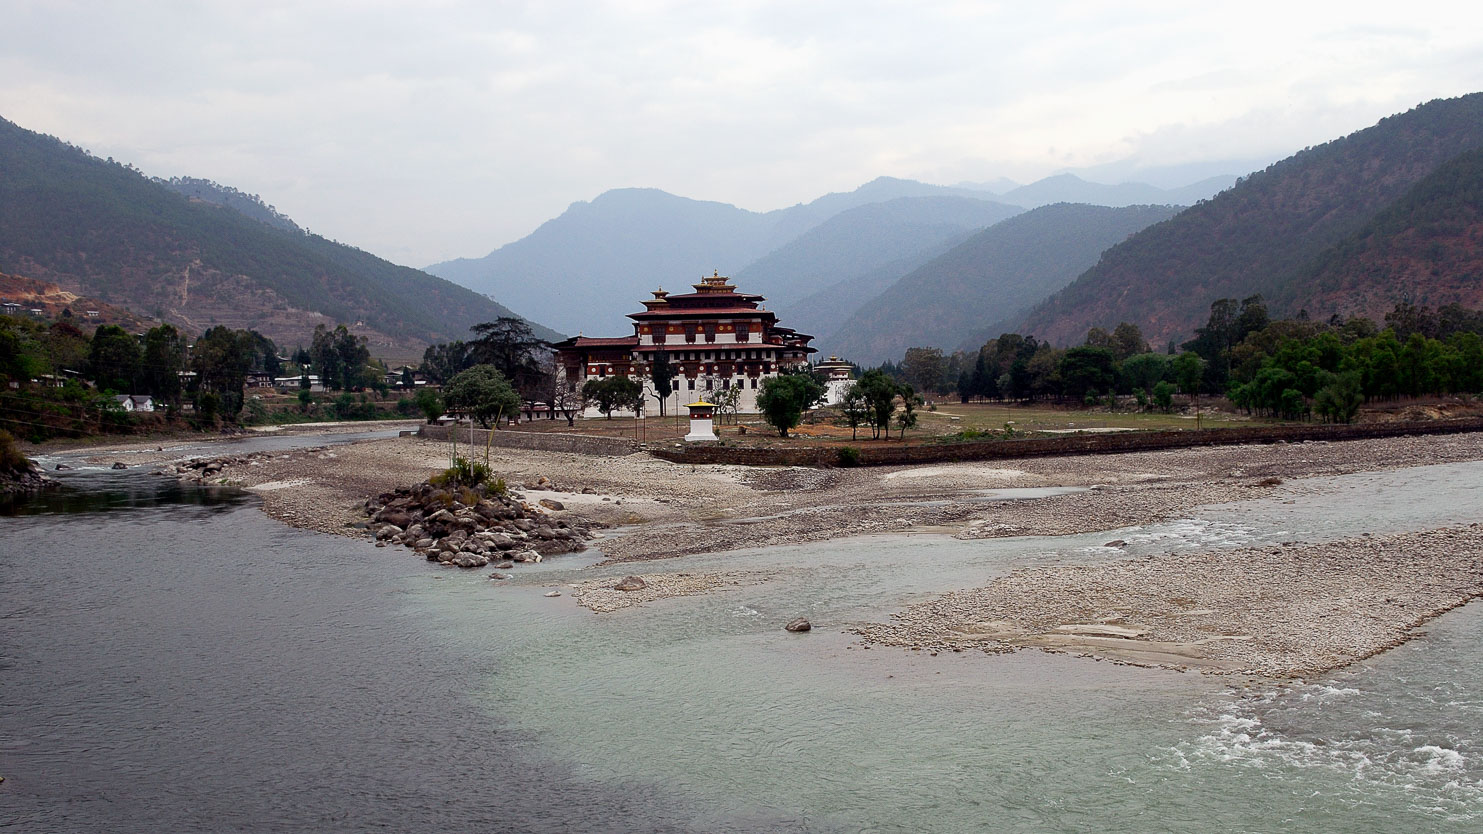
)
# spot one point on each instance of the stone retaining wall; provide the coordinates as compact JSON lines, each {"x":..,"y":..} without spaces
{"x":583,"y":444}
{"x":877,"y":453}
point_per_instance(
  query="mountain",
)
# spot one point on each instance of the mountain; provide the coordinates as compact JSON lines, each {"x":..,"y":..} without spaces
{"x":101,"y":229}
{"x":612,"y":251}
{"x":857,"y":241}
{"x":586,"y":269}
{"x":1425,"y":248}
{"x":1263,"y":234}
{"x":995,"y":274}
{"x":1069,"y":188}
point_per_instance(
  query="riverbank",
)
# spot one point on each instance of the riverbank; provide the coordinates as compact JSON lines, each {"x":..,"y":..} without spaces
{"x":1286,"y":611}
{"x":668,"y":511}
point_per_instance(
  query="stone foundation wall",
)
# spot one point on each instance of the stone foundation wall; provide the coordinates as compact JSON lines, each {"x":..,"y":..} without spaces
{"x":877,"y":453}
{"x":582,"y":444}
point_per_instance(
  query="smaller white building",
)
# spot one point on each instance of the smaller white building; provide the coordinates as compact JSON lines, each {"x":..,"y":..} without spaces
{"x":135,"y":402}
{"x":841,"y":377}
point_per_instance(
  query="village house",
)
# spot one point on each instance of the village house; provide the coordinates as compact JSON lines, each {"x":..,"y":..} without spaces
{"x":135,"y":402}
{"x":715,"y":338}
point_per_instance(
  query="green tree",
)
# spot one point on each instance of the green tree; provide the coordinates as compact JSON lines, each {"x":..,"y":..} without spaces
{"x":879,"y":391}
{"x":429,"y":403}
{"x":1188,"y":369}
{"x":441,"y":362}
{"x":1087,"y":369}
{"x":855,"y":409}
{"x":1144,"y":371}
{"x":906,"y":418}
{"x":483,"y":393}
{"x":612,"y":393}
{"x":512,"y":348}
{"x":662,"y":373}
{"x":164,"y":359}
{"x":113,"y":359}
{"x":923,"y":367}
{"x":1163,"y":396}
{"x":784,"y":398}
{"x":1339,"y":400}
{"x":221,"y":359}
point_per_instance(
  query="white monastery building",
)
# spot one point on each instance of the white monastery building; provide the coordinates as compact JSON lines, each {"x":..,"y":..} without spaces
{"x":715,"y":338}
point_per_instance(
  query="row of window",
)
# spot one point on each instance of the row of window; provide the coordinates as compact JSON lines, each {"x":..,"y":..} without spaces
{"x":710,"y":384}
{"x":719,"y":356}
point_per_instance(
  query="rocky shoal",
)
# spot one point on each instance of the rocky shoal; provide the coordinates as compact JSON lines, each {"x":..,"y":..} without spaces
{"x":24,"y":479}
{"x":470,"y":527}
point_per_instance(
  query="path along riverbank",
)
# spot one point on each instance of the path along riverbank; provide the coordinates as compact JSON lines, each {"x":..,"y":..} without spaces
{"x":672,"y":510}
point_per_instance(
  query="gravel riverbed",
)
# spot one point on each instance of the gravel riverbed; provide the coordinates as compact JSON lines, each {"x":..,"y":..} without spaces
{"x":1284,"y":611}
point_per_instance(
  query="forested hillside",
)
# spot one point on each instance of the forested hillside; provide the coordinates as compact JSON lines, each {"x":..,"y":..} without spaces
{"x":1263,"y":234}
{"x":100,"y":228}
{"x":994,"y":275}
{"x":1427,"y":249}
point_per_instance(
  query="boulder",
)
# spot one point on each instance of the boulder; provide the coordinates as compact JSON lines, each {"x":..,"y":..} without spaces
{"x":798,"y":624}
{"x":118,"y":464}
{"x":552,"y":504}
{"x":631,"y":583}
{"x":62,"y":467}
{"x":506,"y":565}
{"x":387,"y":531}
{"x":393,"y":515}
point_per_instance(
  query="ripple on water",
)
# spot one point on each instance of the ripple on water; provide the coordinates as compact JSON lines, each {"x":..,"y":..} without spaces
{"x":1382,"y":735}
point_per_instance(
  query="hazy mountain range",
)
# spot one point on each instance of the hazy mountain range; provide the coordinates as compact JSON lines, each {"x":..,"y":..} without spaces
{"x":611,"y":252}
{"x":1385,"y":214}
{"x":186,"y":253}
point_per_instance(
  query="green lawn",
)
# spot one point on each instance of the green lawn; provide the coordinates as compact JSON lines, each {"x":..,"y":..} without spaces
{"x":1029,"y":418}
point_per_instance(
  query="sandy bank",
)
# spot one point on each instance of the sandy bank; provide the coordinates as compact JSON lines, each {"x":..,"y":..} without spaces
{"x":1293,"y":611}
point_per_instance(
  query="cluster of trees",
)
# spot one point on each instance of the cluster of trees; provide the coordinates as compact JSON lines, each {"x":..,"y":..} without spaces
{"x":341,"y":359}
{"x":211,"y":373}
{"x":1293,"y":368}
{"x":1297,"y":367}
{"x":871,"y":401}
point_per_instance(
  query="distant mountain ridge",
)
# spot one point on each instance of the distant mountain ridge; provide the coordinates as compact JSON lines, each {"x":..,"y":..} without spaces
{"x":610,"y":252}
{"x":860,"y":240}
{"x":995,"y":274}
{"x":101,"y":229}
{"x":1069,"y":188}
{"x":1265,"y":234}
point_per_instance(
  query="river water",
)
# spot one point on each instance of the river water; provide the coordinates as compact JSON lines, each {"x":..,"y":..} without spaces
{"x":173,"y":660}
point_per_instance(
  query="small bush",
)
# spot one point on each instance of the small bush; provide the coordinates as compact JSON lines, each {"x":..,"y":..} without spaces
{"x":463,"y":473}
{"x":849,"y":456}
{"x":11,"y":459}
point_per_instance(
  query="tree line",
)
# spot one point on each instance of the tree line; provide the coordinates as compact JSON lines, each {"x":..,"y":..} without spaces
{"x":1295,"y":368}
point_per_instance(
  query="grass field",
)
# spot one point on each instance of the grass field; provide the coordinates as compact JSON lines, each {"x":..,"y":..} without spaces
{"x":953,"y":417}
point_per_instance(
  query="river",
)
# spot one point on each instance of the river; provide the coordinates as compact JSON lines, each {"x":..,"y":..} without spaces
{"x":173,"y":660}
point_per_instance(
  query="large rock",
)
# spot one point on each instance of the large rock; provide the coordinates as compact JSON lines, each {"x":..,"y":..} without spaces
{"x":631,"y":583}
{"x":552,"y":504}
{"x":799,"y":624}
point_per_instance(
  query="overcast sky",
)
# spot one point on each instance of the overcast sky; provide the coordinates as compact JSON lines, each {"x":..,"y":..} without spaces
{"x":431,"y":130}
